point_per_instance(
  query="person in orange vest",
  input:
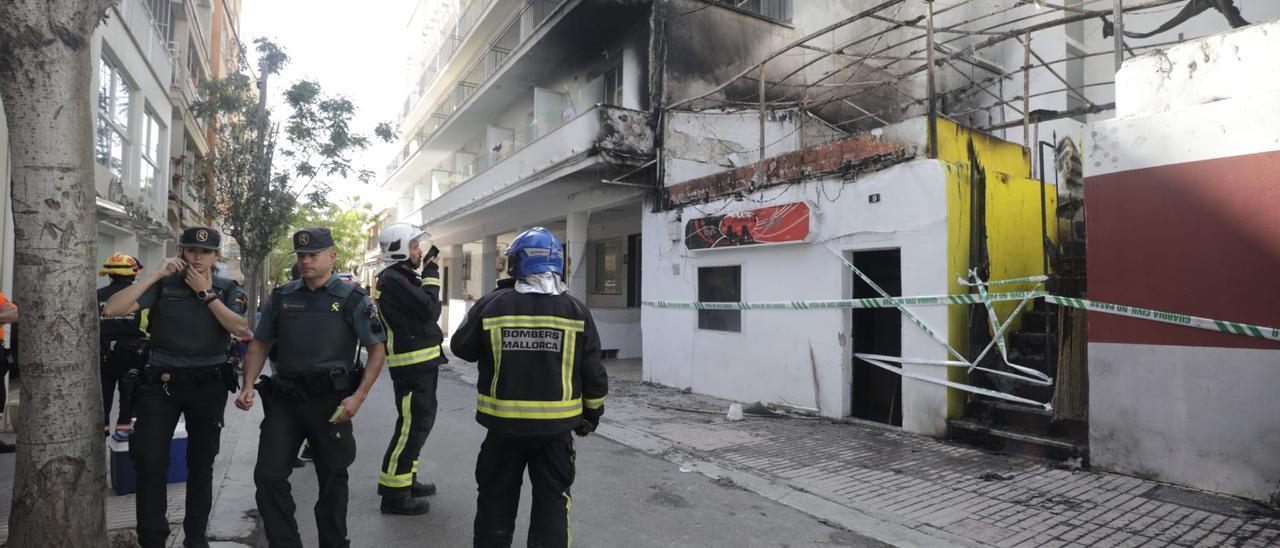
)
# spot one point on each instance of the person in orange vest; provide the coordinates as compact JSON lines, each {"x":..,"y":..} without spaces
{"x":8,"y":315}
{"x":122,"y":341}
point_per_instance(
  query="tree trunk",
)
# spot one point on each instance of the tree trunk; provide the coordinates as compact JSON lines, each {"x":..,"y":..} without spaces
{"x":251,"y":292}
{"x":46,"y":73}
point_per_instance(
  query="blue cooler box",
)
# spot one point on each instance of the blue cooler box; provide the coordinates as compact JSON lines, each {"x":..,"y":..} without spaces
{"x":124,"y":478}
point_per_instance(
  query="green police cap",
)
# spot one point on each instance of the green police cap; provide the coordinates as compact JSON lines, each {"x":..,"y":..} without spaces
{"x":311,"y":240}
{"x":201,"y":237}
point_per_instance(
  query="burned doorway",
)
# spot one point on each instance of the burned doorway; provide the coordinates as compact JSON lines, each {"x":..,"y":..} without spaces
{"x":877,"y":393}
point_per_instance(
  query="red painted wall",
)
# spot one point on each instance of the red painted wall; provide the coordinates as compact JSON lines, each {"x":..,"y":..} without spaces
{"x":1199,"y":238}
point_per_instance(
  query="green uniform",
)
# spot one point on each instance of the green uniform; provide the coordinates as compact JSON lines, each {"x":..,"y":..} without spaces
{"x":315,"y":332}
{"x":318,"y":329}
{"x":187,"y":377}
{"x":184,"y":332}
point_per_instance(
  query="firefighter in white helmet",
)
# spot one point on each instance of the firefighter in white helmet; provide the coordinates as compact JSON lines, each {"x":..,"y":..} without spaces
{"x":410,"y":305}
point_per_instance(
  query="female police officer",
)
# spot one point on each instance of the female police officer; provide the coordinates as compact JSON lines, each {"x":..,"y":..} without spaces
{"x":192,"y":313}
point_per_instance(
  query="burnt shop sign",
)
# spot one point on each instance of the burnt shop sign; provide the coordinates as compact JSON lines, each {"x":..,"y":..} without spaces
{"x":778,"y":224}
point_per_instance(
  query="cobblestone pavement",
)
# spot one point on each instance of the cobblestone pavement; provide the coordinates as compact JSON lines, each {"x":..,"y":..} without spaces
{"x":935,"y":487}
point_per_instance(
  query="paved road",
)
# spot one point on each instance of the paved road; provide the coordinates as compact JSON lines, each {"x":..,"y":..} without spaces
{"x":622,"y":497}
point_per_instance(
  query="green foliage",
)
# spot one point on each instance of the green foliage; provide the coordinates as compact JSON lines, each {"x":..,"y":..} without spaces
{"x":346,"y":221}
{"x":385,"y":132}
{"x":260,"y":167}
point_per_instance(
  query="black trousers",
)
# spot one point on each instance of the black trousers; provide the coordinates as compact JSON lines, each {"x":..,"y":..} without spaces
{"x":416,"y":407}
{"x":499,"y":472}
{"x":114,"y":366}
{"x":287,"y":423}
{"x":158,"y":407}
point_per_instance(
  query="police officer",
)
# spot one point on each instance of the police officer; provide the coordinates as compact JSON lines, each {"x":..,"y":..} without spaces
{"x":122,"y":342}
{"x":550,"y":383}
{"x":410,"y":306}
{"x":192,"y":312}
{"x":315,"y":388}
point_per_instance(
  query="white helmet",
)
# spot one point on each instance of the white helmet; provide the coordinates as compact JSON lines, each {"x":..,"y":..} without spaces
{"x":394,"y":241}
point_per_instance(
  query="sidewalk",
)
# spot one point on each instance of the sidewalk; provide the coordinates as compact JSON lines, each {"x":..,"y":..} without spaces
{"x":911,"y":490}
{"x":120,"y":509}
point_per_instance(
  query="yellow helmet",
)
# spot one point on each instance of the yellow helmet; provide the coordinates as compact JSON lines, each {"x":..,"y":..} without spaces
{"x":120,"y":265}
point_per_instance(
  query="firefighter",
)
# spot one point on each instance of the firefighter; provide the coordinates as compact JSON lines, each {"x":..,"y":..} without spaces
{"x":122,"y":342}
{"x":192,"y":313}
{"x":550,"y":383}
{"x":314,"y":390}
{"x":410,"y":306}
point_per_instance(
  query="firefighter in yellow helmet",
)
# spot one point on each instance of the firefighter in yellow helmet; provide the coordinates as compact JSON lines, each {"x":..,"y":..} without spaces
{"x":122,"y":341}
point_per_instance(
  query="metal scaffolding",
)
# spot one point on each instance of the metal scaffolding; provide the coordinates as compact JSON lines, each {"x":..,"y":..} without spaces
{"x":904,"y":58}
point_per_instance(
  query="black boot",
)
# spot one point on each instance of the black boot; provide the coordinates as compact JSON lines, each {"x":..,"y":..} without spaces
{"x":422,"y":489}
{"x":405,"y":506}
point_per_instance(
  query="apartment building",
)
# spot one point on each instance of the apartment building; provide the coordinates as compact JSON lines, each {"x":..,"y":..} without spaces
{"x":698,"y":150}
{"x":525,"y":114}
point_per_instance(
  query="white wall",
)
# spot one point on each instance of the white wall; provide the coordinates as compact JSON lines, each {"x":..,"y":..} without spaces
{"x":1203,"y":417}
{"x":150,"y":93}
{"x":773,"y":358}
{"x":1194,"y":415}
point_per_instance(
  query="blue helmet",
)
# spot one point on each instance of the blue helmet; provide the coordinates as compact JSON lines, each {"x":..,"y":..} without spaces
{"x":534,"y":251}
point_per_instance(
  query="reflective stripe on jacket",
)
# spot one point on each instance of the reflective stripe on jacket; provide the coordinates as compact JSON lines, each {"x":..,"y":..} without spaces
{"x":539,"y":361}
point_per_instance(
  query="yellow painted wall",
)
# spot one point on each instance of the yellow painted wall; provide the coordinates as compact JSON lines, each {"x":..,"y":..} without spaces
{"x":1013,"y":225}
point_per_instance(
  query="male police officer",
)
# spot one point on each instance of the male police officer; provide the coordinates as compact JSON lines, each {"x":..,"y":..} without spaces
{"x":192,"y":313}
{"x":315,"y":323}
{"x":410,"y":306}
{"x":540,"y":379}
{"x":122,"y":341}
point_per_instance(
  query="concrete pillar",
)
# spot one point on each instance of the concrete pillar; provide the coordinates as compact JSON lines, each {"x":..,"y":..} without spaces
{"x":456,"y":283}
{"x":633,"y":80}
{"x":489,"y":263}
{"x":575,"y":241}
{"x":455,"y":308}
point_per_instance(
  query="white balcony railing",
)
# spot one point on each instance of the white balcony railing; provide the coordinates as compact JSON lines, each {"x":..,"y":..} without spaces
{"x":518,"y":29}
{"x":147,"y":32}
{"x":527,"y":149}
{"x":530,"y":151}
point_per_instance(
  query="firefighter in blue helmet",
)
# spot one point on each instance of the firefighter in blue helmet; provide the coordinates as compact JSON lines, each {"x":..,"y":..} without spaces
{"x":550,"y":383}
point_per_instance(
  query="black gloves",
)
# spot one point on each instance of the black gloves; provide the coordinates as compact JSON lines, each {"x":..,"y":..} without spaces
{"x":590,"y":421}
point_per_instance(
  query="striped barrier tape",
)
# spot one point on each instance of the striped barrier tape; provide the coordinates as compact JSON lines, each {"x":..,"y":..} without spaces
{"x":1037,"y":377}
{"x":1223,"y":326}
{"x":958,"y":386}
{"x":891,"y":302}
{"x":1028,"y":279}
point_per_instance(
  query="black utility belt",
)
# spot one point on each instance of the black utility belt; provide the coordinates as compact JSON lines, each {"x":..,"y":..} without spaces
{"x":313,"y":384}
{"x":130,"y":345}
{"x":185,"y":375}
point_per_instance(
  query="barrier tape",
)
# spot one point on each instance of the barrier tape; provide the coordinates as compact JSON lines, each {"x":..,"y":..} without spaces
{"x":984,"y":298}
{"x":956,"y":385}
{"x":873,"y":302}
{"x":980,"y":283}
{"x":998,"y":330}
{"x":1223,"y":326}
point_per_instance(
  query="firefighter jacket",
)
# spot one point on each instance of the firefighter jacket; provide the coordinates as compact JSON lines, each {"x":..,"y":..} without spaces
{"x":410,"y":308}
{"x":126,"y":327}
{"x":539,"y":362}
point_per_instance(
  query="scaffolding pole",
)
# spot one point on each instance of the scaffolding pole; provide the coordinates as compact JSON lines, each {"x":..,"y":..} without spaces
{"x":933,"y":94}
